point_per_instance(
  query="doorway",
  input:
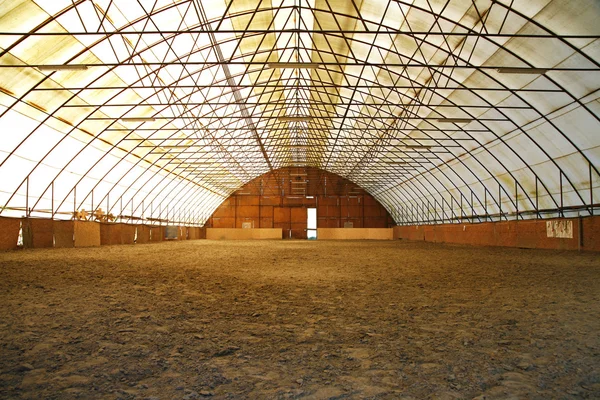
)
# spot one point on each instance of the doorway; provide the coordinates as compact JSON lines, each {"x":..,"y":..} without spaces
{"x":311,"y":224}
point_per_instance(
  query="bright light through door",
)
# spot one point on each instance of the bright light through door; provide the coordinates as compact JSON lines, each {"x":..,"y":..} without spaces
{"x":311,"y":224}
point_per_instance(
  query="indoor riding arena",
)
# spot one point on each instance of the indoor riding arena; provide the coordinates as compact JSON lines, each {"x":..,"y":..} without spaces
{"x":299,"y":199}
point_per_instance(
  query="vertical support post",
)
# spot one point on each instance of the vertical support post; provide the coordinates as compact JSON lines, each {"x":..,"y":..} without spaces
{"x":461,"y":209}
{"x":428,"y":211}
{"x":561,"y":213}
{"x":52,"y":199}
{"x":591,"y":191}
{"x":92,"y":201}
{"x":500,"y":200}
{"x":580,"y":223}
{"x":537,"y":208}
{"x":121,"y":213}
{"x":485,"y":202}
{"x":27,"y":197}
{"x":74,"y":200}
{"x":451,"y":208}
{"x":472,"y":208}
{"x":517,"y":199}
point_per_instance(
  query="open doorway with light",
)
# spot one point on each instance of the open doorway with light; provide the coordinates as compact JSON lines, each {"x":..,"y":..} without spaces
{"x":311,"y":224}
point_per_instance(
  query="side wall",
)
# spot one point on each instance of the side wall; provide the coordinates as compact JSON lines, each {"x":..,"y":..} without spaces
{"x":40,"y":233}
{"x":9,"y":233}
{"x":559,"y":234}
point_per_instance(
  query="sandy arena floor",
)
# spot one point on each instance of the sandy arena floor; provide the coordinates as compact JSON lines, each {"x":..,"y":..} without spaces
{"x":298,"y":319}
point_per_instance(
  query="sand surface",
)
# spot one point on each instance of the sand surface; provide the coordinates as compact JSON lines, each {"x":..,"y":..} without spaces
{"x":299,"y":319}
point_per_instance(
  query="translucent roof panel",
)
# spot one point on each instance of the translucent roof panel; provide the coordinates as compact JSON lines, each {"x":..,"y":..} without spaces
{"x":159,"y":110}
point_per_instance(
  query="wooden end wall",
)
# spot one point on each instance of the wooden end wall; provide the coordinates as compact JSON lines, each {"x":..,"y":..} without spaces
{"x":280,"y":199}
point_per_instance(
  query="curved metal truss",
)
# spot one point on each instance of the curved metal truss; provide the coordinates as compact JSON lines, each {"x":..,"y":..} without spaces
{"x":158,"y":110}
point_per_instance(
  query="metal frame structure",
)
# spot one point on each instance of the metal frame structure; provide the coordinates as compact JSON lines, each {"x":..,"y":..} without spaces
{"x":450,"y":111}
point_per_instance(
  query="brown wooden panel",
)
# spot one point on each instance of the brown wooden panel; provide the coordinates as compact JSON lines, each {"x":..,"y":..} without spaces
{"x":229,"y":202}
{"x":298,"y":234}
{"x":223,"y":223}
{"x":356,"y":222}
{"x":310,"y":203}
{"x":86,"y":233}
{"x":143,"y":234}
{"x":344,"y":211}
{"x":42,"y":231}
{"x":370,"y":201}
{"x":328,"y":201}
{"x":293,"y":201}
{"x":374,"y":211}
{"x":128,"y":234}
{"x":247,"y":211}
{"x":157,"y":233}
{"x":110,"y":234}
{"x":328,"y":223}
{"x":282,"y":225}
{"x":63,"y":234}
{"x":246,"y":200}
{"x":375,"y":222}
{"x":322,"y":211}
{"x":281,"y":215}
{"x":299,"y":215}
{"x":224,"y":212}
{"x":266,"y":223}
{"x":266,"y":211}
{"x":9,"y":233}
{"x":353,"y":201}
{"x":270,"y":201}
{"x":240,"y":222}
{"x":353,"y":212}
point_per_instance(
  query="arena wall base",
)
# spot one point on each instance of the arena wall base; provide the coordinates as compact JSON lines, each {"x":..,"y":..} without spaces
{"x":9,"y":233}
{"x":157,"y":233}
{"x":127,"y":234}
{"x":76,"y":234}
{"x":243,"y":234}
{"x":110,"y":234}
{"x":63,"y":234}
{"x":42,"y":232}
{"x":143,"y":234}
{"x":355,"y":234}
{"x":86,"y":234}
{"x":558,"y":234}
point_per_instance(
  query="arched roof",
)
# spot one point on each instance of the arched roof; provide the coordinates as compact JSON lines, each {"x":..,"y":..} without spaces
{"x":439,"y":108}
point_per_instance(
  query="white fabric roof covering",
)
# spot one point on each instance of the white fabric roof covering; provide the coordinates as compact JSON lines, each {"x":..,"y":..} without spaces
{"x":408,"y":99}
